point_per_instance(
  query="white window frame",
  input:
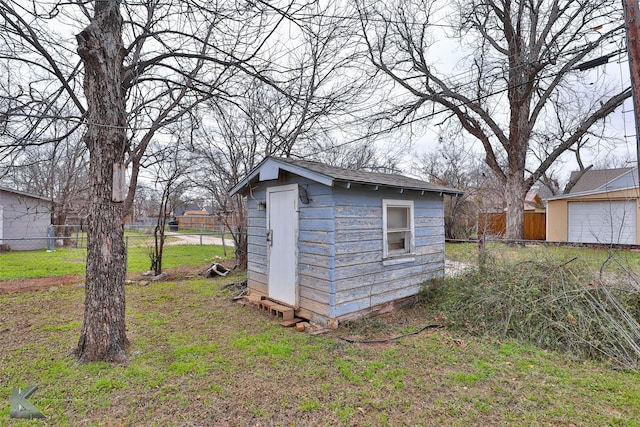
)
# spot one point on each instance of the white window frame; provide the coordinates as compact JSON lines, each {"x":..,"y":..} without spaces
{"x":391,"y":257}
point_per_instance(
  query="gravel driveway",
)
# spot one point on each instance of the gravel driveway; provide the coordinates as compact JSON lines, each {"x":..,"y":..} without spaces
{"x":198,"y":239}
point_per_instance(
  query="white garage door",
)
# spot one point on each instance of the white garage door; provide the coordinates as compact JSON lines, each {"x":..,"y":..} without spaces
{"x":602,"y":222}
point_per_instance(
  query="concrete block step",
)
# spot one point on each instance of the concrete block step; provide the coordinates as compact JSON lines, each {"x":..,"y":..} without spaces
{"x":266,"y":304}
{"x":281,"y":310}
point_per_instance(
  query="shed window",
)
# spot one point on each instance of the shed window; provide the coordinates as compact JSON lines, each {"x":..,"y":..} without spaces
{"x":397,"y":219}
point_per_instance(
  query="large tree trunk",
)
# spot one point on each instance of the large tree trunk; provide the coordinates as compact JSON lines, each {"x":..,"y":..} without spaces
{"x":103,"y":335}
{"x":514,"y":195}
{"x":519,"y":135}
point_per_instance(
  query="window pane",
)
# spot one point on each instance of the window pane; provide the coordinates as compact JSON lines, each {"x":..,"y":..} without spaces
{"x":397,"y":218}
{"x":396,"y":241}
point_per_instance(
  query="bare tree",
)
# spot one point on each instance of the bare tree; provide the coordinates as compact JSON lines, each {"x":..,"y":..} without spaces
{"x":522,"y":88}
{"x":457,"y":165}
{"x":133,"y":69}
{"x":321,"y":88}
{"x":145,"y":205}
{"x":549,"y":178}
{"x":170,"y":181}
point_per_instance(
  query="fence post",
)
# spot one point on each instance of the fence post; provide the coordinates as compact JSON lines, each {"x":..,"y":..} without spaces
{"x":224,"y":246}
{"x":126,"y":253}
{"x":51,"y":233}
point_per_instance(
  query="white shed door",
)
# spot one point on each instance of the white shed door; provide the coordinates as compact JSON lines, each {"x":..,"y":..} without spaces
{"x":282,"y":236}
{"x":602,"y":222}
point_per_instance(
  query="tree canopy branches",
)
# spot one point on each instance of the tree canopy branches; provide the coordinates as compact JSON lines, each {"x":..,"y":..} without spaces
{"x":520,"y":87}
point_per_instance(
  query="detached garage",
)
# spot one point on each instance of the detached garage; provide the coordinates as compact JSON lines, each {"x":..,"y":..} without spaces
{"x":611,"y":221}
{"x":607,"y":214}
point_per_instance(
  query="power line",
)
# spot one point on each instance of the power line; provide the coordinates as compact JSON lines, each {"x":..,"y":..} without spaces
{"x":308,"y":17}
{"x":377,"y":133}
{"x":428,"y":116}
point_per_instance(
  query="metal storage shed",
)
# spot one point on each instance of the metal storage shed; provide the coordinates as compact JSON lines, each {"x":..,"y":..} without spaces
{"x":24,"y":219}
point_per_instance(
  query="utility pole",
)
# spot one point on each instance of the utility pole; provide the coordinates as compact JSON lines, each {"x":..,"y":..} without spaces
{"x":632,"y":26}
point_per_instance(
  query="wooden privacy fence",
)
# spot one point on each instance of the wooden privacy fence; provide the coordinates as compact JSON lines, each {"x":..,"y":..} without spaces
{"x":495,"y":224}
{"x":198,"y":222}
{"x":209,"y":223}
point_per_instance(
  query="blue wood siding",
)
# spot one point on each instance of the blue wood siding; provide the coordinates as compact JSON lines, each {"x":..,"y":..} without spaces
{"x":316,"y":234}
{"x":340,"y":265}
{"x":316,"y":250}
{"x":257,"y":242}
{"x":362,"y":281}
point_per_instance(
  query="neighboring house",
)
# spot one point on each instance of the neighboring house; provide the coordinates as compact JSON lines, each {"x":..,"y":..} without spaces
{"x":335,"y":243}
{"x":534,"y":203}
{"x":602,"y":207}
{"x":182,"y":208}
{"x":24,"y":220}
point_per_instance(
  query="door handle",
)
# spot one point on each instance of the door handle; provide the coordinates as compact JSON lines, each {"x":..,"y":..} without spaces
{"x":270,"y":237}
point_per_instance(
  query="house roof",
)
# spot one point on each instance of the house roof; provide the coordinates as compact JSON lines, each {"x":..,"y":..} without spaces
{"x":25,"y":194}
{"x":184,"y":207}
{"x":328,"y":175}
{"x":595,"y":179}
{"x":533,"y":201}
{"x":601,"y":181}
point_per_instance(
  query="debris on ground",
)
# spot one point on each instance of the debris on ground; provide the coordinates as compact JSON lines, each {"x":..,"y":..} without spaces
{"x":215,"y":270}
{"x":291,"y":322}
{"x":276,"y":310}
{"x":238,"y":289}
{"x":160,"y":276}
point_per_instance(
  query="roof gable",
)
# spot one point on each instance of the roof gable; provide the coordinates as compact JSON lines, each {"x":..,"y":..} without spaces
{"x":600,"y":179}
{"x":270,"y":168}
{"x":533,"y":201}
{"x":626,"y":180}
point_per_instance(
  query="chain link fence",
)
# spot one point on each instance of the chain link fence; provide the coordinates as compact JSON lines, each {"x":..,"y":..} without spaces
{"x":75,"y":236}
{"x":68,"y":244}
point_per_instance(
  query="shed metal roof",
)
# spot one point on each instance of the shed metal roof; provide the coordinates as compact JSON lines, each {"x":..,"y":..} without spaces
{"x":25,"y":194}
{"x":328,"y":175}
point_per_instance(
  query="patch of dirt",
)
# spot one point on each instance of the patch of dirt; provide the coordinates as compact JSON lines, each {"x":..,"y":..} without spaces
{"x":39,"y":283}
{"x":44,"y":283}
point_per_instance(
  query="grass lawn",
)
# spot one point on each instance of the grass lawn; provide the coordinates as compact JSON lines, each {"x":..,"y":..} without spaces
{"x":198,"y":358}
{"x":31,"y":264}
{"x":614,"y":261}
